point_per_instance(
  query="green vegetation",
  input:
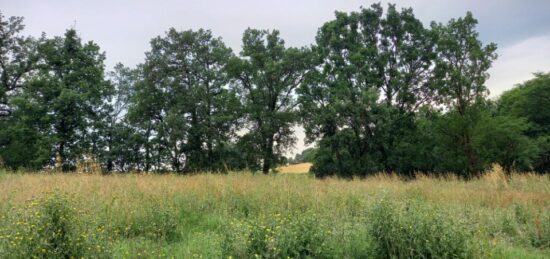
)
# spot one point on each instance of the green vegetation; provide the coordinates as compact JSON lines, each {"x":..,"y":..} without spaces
{"x":411,"y":99}
{"x":382,"y":96}
{"x":531,"y":101}
{"x":416,"y":230}
{"x":274,"y":216}
{"x":50,"y":227}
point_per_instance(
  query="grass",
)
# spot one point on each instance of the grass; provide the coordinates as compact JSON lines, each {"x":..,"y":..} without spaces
{"x":273,"y":216}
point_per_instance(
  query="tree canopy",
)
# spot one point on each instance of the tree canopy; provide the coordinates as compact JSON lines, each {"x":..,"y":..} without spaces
{"x":378,"y":91}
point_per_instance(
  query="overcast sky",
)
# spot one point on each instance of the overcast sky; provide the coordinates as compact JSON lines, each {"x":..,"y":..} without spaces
{"x":123,"y":29}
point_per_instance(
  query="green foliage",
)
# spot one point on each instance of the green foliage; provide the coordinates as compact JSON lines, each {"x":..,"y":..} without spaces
{"x":417,"y":230}
{"x":182,"y":106}
{"x":20,"y":144}
{"x":277,"y":236}
{"x":49,"y":227}
{"x":267,"y":76}
{"x":55,"y":112}
{"x":117,"y":142}
{"x":431,"y":145}
{"x":377,"y":92}
{"x":17,"y":59}
{"x":361,"y":101}
{"x":308,"y":155}
{"x":460,"y":73}
{"x":531,"y":100}
{"x":502,"y":140}
{"x":23,"y":140}
{"x":71,"y":95}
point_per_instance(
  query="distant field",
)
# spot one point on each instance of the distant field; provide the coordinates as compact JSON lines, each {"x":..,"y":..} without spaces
{"x":272,"y":216}
{"x":295,"y":168}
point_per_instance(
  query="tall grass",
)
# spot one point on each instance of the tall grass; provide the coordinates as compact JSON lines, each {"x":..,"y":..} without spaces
{"x":414,"y":229}
{"x":274,"y":216}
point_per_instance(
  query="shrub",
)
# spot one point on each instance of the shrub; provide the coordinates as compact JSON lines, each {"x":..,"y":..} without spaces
{"x":276,"y":236}
{"x":48,"y":228}
{"x":416,"y":230}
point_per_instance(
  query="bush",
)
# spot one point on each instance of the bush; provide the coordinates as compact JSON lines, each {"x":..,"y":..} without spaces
{"x":416,"y":230}
{"x":48,"y":228}
{"x":276,"y":236}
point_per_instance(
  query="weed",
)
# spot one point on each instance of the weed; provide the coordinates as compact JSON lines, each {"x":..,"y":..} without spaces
{"x":416,"y":230}
{"x":49,"y":228}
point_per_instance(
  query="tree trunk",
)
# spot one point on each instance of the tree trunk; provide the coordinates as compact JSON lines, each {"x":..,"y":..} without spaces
{"x":147,"y":150}
{"x":268,"y":154}
{"x":110,"y":154}
{"x":60,"y":157}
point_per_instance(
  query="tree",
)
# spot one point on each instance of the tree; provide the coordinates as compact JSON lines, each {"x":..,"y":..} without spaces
{"x":20,"y":143}
{"x":268,"y":74}
{"x":69,"y":88}
{"x":531,"y":101}
{"x":188,"y":112}
{"x":373,"y":74}
{"x":118,"y":141}
{"x":459,"y":76}
{"x":17,"y":58}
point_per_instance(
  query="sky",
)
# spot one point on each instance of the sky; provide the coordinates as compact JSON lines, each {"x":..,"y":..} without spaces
{"x":123,"y":28}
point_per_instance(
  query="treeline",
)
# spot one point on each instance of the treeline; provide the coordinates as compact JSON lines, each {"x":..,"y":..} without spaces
{"x":378,"y":91}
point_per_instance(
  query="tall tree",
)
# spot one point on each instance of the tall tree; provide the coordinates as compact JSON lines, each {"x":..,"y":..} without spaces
{"x":406,"y":57}
{"x":373,"y":74}
{"x":268,"y":74}
{"x":460,"y":74}
{"x":70,"y":88}
{"x":117,"y":149}
{"x":184,"y":101}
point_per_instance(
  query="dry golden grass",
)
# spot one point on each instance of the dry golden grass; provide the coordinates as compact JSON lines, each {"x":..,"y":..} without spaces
{"x":493,"y":190}
{"x":301,"y":168}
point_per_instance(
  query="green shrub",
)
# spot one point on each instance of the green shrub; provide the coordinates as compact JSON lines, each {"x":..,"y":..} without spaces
{"x":49,"y":228}
{"x":416,"y":230}
{"x":276,"y":236}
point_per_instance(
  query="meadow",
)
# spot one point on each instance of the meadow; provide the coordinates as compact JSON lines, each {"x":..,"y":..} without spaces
{"x":245,"y":215}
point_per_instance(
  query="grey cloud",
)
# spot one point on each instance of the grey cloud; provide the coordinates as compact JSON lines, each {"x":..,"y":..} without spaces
{"x":123,"y":28}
